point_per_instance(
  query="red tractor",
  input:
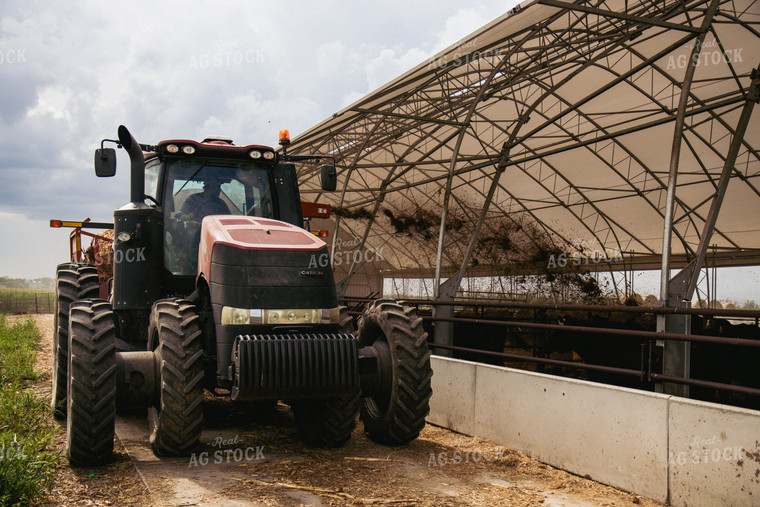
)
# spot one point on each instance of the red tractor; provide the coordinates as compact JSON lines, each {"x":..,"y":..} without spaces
{"x":216,"y":286}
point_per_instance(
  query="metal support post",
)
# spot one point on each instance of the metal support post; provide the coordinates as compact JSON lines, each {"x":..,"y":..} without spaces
{"x":444,"y":331}
{"x":677,"y":356}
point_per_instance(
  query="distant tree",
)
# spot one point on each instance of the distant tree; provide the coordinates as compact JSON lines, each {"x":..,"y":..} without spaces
{"x":12,"y":283}
{"x":44,"y":283}
{"x":750,"y":305}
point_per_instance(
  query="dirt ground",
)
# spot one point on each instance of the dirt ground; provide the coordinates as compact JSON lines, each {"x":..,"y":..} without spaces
{"x":262,"y":462}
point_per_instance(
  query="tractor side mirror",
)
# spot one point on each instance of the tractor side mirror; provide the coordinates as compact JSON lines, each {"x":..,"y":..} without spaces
{"x":329,"y":178}
{"x":105,"y":162}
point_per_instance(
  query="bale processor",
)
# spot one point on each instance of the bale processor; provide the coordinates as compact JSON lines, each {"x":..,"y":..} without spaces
{"x":214,"y":288}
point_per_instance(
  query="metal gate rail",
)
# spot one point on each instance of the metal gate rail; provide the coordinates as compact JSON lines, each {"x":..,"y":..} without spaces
{"x":645,"y":373}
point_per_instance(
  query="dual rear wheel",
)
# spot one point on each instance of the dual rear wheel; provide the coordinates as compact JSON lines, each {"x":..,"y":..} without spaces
{"x":177,"y":416}
{"x":73,"y":281}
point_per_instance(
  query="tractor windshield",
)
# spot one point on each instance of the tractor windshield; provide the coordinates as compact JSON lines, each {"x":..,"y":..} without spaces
{"x":196,"y":188}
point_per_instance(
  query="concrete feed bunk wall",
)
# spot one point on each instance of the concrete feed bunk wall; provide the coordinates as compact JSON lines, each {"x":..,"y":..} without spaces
{"x":662,"y":447}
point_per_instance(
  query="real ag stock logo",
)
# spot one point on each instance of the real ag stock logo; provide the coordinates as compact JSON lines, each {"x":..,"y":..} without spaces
{"x":706,"y":56}
{"x":225,"y":54}
{"x":221,"y":453}
{"x":350,"y":255}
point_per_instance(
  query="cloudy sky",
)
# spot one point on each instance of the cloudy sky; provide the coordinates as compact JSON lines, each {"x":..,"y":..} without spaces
{"x":71,"y":72}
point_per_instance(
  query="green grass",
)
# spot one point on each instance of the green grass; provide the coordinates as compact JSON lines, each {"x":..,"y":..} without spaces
{"x":27,"y":466}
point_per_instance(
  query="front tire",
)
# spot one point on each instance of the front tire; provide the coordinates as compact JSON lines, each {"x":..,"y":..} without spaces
{"x":91,"y":402}
{"x":394,"y":412}
{"x":73,"y":281}
{"x":175,"y":336}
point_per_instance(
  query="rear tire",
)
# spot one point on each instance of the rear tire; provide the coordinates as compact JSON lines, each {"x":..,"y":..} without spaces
{"x":394,"y":414}
{"x":175,"y":335}
{"x":73,"y":281}
{"x":327,"y":422}
{"x":91,"y":403}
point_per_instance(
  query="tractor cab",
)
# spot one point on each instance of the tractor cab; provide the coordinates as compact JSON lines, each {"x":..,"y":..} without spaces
{"x":190,"y":188}
{"x":177,"y":183}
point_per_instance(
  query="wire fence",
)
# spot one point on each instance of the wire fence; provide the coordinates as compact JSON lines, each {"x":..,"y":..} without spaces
{"x":19,"y":301}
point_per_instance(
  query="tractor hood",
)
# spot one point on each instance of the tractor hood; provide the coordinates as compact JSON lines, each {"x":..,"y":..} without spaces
{"x":252,"y":233}
{"x":257,"y":233}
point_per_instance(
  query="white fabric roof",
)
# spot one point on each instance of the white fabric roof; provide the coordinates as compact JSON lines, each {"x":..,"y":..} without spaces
{"x":596,"y":86}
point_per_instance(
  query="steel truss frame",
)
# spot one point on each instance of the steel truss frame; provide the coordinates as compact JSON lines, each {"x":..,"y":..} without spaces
{"x":559,"y":114}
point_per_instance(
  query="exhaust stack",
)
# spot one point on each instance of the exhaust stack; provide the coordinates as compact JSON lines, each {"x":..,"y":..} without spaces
{"x":137,"y":166}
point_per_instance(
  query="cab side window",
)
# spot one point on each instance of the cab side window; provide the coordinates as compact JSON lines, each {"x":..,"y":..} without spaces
{"x":151,"y":180}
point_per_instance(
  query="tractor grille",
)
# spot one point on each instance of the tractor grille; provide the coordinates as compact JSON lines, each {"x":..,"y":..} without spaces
{"x":294,"y":365}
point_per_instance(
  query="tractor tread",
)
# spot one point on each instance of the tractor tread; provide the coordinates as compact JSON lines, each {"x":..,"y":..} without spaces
{"x":91,"y":402}
{"x":73,"y":281}
{"x":176,"y":422}
{"x":410,"y":389}
{"x":327,"y":422}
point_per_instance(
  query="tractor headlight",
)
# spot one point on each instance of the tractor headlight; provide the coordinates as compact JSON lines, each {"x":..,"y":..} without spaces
{"x":240,"y":316}
{"x":244,"y":316}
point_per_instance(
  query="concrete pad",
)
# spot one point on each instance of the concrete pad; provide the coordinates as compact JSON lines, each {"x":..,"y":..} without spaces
{"x":452,"y":404}
{"x":610,"y":434}
{"x":201,"y":479}
{"x":714,"y":454}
